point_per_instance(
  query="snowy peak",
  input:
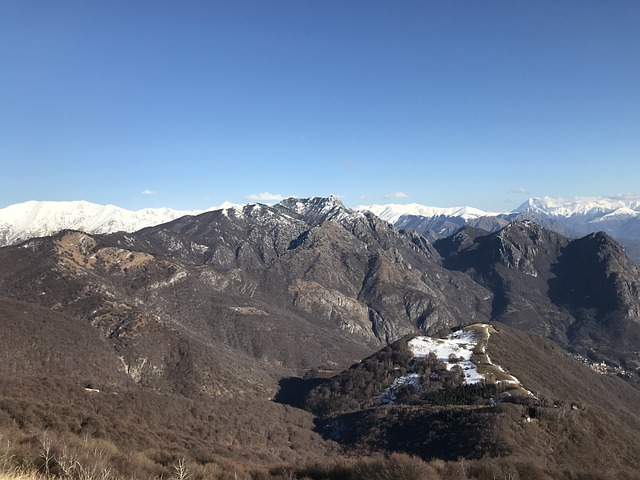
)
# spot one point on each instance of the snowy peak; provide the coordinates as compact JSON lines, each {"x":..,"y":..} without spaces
{"x":590,"y":208}
{"x":393,"y":211}
{"x":316,"y":209}
{"x":305,"y":205}
{"x":617,"y":215}
{"x":36,"y":219}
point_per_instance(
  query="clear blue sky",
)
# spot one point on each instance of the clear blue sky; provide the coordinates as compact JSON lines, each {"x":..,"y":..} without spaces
{"x":186,"y":104}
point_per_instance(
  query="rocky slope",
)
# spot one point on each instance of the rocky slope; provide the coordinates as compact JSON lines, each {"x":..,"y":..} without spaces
{"x":583,"y":294}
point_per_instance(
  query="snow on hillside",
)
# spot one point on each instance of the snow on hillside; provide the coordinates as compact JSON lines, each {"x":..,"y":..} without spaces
{"x":35,"y":219}
{"x":393,"y":211}
{"x":619,"y":214}
{"x":464,"y":349}
{"x":458,"y":345}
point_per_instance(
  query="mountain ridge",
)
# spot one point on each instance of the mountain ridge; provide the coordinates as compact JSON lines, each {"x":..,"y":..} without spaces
{"x":618,"y":215}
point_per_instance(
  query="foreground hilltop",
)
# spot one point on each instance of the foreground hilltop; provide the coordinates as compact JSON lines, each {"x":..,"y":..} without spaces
{"x":483,"y":391}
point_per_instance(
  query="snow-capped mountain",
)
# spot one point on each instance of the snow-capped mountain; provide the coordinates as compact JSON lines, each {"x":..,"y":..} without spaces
{"x":590,"y":209}
{"x":36,"y":219}
{"x":619,"y":216}
{"x":435,"y":222}
{"x":581,"y":215}
{"x":23,"y":221}
{"x":393,"y":211}
{"x":586,"y":208}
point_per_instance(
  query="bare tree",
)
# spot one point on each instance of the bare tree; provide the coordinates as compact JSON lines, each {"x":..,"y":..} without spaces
{"x":181,"y":470}
{"x":47,"y":453}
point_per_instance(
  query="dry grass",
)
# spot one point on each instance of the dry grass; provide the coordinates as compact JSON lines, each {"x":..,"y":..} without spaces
{"x":77,"y":252}
{"x":16,"y":475}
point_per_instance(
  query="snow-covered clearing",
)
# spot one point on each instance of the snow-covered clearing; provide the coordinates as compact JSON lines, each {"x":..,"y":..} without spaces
{"x":465,"y":349}
{"x":456,"y":349}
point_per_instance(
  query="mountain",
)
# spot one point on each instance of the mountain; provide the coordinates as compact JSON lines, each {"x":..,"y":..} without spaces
{"x":326,"y":268}
{"x":583,"y":293}
{"x":26,"y":220}
{"x":434,"y":222}
{"x":394,"y":211}
{"x":584,"y":209}
{"x":174,"y":341}
{"x":617,"y":216}
{"x":239,"y":281}
{"x":340,"y":276}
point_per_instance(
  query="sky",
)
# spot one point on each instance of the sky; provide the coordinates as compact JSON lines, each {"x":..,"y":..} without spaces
{"x":187,"y":104}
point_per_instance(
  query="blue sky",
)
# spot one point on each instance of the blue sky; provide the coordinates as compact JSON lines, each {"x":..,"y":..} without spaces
{"x":186,"y":104}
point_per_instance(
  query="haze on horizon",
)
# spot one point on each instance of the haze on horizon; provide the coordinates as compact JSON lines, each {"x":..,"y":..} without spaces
{"x":190,"y":104}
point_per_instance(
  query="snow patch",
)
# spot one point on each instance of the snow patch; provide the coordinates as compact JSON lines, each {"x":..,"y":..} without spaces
{"x":456,"y":349}
{"x":389,"y":396}
{"x":464,"y":349}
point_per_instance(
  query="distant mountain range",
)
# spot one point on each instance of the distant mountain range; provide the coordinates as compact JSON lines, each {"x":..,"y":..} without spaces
{"x":26,"y":220}
{"x":575,"y":217}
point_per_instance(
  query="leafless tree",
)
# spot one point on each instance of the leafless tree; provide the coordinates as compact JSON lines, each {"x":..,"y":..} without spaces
{"x":181,"y":470}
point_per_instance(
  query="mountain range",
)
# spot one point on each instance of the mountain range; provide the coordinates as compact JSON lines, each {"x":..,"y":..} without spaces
{"x":618,"y":216}
{"x":256,"y":336}
{"x":576,"y":217}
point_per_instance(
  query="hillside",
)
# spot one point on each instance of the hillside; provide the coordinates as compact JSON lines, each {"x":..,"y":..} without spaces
{"x":547,"y":416}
